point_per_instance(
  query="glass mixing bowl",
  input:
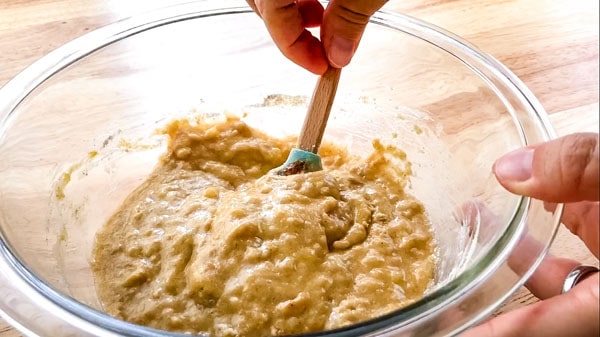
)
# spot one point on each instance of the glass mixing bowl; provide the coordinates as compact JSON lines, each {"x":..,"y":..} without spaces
{"x":77,"y":135}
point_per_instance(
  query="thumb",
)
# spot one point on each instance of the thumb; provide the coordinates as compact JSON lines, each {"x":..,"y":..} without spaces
{"x":562,"y":170}
{"x":572,"y":314}
{"x":344,"y":22}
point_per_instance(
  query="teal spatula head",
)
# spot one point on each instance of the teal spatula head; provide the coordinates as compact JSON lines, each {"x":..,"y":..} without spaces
{"x":299,"y":161}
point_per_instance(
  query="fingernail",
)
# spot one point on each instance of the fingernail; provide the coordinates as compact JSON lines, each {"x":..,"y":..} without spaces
{"x":515,"y":166}
{"x":340,"y":51}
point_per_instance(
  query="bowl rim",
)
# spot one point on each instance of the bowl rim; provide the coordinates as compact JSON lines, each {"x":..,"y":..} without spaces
{"x":74,"y":312}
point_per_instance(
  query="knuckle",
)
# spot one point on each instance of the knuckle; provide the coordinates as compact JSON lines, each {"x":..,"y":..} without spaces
{"x":580,"y":159}
{"x":269,"y":6}
{"x":357,"y":13}
{"x":282,"y":3}
{"x":354,"y":12}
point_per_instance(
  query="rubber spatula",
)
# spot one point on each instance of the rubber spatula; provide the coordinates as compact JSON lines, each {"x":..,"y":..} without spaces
{"x":304,"y":158}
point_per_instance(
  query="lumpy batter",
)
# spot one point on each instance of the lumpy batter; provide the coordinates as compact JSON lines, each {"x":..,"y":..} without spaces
{"x":212,"y":242}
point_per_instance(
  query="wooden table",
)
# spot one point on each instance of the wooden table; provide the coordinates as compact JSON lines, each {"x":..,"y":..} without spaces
{"x":552,"y":45}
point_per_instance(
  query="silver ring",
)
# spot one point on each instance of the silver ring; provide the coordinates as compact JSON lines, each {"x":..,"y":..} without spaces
{"x":577,"y":275}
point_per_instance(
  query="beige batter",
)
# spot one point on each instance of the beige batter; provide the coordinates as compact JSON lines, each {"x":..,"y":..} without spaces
{"x":214,"y":243}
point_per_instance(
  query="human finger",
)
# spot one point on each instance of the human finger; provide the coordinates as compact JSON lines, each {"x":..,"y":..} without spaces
{"x":344,"y":22}
{"x":562,"y":170}
{"x":253,"y":6}
{"x":286,"y":21}
{"x":583,"y":219}
{"x":575,"y":313}
{"x":549,"y":277}
{"x":311,"y":12}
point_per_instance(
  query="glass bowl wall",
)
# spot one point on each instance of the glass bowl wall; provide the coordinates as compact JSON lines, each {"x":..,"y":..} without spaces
{"x":77,"y":134}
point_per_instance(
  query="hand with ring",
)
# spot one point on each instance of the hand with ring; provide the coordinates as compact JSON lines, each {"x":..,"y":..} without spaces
{"x":565,"y":170}
{"x":342,"y":25}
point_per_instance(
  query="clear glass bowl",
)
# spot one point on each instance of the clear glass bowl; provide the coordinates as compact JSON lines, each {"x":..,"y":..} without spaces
{"x":77,"y":135}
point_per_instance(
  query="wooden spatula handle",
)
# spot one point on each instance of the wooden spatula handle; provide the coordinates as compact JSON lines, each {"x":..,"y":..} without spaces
{"x":318,"y":111}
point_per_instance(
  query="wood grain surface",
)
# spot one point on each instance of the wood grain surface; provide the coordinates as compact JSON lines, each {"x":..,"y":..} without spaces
{"x":552,"y":45}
